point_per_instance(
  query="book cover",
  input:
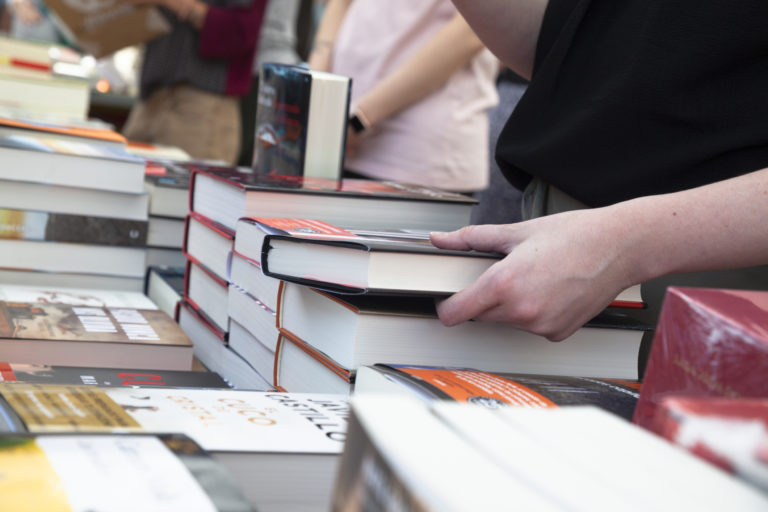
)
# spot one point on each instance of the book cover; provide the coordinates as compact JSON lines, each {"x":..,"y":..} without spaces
{"x":496,"y":389}
{"x":220,"y":420}
{"x":94,"y":376}
{"x":731,"y":433}
{"x":708,"y":342}
{"x":301,"y":122}
{"x":88,"y":297}
{"x":66,"y":472}
{"x":61,"y":227}
{"x":30,"y":127}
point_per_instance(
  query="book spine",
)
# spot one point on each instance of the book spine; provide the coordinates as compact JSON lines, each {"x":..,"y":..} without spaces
{"x":59,"y":227}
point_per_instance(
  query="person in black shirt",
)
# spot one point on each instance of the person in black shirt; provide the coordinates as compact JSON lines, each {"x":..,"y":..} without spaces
{"x":648,"y":121}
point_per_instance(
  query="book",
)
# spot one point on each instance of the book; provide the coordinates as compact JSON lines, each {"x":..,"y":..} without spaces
{"x":168,"y":186}
{"x":224,"y":194}
{"x":65,"y":132}
{"x":255,"y":316}
{"x":61,"y":227}
{"x":281,"y":449}
{"x":71,"y":335}
{"x":77,"y":163}
{"x":114,"y":472}
{"x":105,"y":377}
{"x":165,"y":287}
{"x":207,"y":293}
{"x":165,"y":232}
{"x":158,"y":152}
{"x":300,"y":368}
{"x":43,"y":96}
{"x":708,"y":342}
{"x":88,"y":258}
{"x":30,"y":277}
{"x":213,"y":351}
{"x":454,"y":456}
{"x":46,"y":197}
{"x":730,"y":433}
{"x":29,"y":55}
{"x":208,"y":244}
{"x":51,"y":294}
{"x":496,"y":389}
{"x":356,"y":261}
{"x":103,"y":28}
{"x":257,"y":354}
{"x":357,"y":330}
{"x":247,"y":275}
{"x":301,"y":121}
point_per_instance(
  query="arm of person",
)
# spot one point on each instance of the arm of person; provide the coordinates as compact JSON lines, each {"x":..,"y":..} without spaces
{"x":325,"y":36}
{"x":509,"y":28}
{"x":425,"y":71}
{"x":561,"y":270}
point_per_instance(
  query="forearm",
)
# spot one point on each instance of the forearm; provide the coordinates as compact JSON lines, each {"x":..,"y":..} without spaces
{"x":718,"y":226}
{"x":325,"y":36}
{"x":509,"y":28}
{"x":450,"y":49}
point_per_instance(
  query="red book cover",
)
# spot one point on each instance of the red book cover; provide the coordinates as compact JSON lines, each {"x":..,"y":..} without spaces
{"x":709,"y":342}
{"x":731,"y":433}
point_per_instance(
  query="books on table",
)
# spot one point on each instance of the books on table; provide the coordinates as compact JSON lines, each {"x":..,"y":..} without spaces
{"x":301,"y":122}
{"x":281,"y":449}
{"x":224,"y":194}
{"x":114,"y":472}
{"x":454,"y":456}
{"x":165,"y":286}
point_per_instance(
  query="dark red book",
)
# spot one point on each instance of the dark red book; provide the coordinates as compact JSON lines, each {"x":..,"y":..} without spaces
{"x":708,"y":342}
{"x":731,"y":433}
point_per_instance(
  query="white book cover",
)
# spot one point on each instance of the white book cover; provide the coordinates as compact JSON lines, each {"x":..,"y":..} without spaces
{"x":75,"y":296}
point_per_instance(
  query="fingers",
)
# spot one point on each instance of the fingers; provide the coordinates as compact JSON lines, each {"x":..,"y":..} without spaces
{"x":470,"y":302}
{"x":487,"y":237}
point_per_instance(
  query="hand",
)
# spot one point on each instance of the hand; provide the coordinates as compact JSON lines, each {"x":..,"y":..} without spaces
{"x":559,"y":272}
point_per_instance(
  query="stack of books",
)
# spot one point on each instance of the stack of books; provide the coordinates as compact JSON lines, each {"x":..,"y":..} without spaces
{"x":74,"y":207}
{"x":29,"y":88}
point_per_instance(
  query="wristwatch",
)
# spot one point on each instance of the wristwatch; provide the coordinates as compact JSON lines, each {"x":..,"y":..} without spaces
{"x":357,"y":124}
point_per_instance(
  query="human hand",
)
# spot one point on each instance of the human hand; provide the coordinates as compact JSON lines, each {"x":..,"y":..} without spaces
{"x":559,"y":272}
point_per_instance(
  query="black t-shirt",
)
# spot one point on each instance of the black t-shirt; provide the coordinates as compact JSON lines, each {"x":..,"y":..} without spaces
{"x":639,"y":97}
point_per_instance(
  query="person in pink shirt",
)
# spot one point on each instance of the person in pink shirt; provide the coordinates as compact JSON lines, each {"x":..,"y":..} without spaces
{"x":422,"y":83}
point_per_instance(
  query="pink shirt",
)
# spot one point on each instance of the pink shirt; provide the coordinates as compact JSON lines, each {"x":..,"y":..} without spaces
{"x":442,"y":140}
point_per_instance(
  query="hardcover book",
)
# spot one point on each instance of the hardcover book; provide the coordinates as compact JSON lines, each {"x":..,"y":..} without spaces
{"x":357,"y":330}
{"x":168,"y":186}
{"x":208,"y":243}
{"x":104,"y":377}
{"x":301,"y":122}
{"x":71,"y":163}
{"x":708,"y":342}
{"x":224,"y":194}
{"x":281,"y":449}
{"x":112,"y":473}
{"x":495,"y":389}
{"x":165,"y":286}
{"x":357,"y":261}
{"x":60,"y":227}
{"x":71,"y":335}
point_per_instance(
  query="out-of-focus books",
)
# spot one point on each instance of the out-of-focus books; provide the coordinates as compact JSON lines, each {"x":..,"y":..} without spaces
{"x":446,"y":456}
{"x":708,"y":342}
{"x":281,"y":449}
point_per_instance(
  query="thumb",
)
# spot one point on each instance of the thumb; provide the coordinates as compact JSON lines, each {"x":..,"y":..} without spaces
{"x":486,"y":237}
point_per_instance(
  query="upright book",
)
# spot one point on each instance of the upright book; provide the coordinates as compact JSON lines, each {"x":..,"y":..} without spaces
{"x":224,"y":194}
{"x":708,"y":342}
{"x":281,"y":449}
{"x":301,"y":122}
